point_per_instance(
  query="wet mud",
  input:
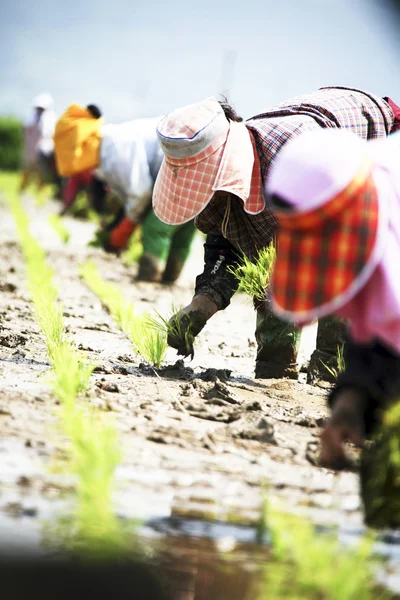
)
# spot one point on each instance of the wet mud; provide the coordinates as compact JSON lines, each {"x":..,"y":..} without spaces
{"x":201,"y":440}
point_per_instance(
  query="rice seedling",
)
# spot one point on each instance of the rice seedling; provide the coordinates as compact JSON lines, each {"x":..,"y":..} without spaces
{"x":380,"y":472}
{"x":341,"y":363}
{"x":93,"y":530}
{"x":171,"y":327}
{"x":59,"y":227}
{"x":306,"y":566}
{"x":254,"y":276}
{"x":148,"y":342}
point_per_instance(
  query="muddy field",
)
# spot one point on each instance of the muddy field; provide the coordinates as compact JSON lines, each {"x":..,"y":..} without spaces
{"x":200,"y":439}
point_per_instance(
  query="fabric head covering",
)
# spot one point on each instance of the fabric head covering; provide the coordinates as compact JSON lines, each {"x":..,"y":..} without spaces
{"x":331,"y":225}
{"x":77,"y":141}
{"x":204,"y":152}
{"x":44,"y":101}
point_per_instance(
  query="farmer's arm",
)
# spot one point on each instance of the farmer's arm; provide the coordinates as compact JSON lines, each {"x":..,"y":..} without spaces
{"x":369,"y":383}
{"x":216,"y":281}
{"x":214,"y":290}
{"x":374,"y":371}
{"x":135,"y":186}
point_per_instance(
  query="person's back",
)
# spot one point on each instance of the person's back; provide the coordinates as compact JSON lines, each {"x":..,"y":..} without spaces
{"x":130,"y":156}
{"x":367,"y":115}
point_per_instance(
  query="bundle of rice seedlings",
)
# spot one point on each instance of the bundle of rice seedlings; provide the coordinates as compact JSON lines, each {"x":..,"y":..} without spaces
{"x":172,"y":327}
{"x":150,"y":343}
{"x":380,"y":473}
{"x":254,"y":276}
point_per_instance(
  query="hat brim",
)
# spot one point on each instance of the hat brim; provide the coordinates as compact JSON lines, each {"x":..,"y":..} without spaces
{"x":182,"y":192}
{"x":320,"y":269}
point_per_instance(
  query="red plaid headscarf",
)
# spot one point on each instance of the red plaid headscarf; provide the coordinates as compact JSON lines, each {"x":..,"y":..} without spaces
{"x":324,"y":197}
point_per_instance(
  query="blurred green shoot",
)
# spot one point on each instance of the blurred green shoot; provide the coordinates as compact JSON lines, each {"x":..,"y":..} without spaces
{"x":307,"y":566}
{"x":93,"y":531}
{"x":57,"y":224}
{"x":135,"y":248}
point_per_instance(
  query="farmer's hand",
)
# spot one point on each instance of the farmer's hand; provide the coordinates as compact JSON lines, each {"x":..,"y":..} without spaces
{"x":186,"y":324}
{"x":119,"y":236}
{"x":346,"y":424}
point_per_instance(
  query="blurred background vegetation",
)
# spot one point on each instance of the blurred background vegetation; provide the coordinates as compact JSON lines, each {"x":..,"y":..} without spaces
{"x":11,"y":143}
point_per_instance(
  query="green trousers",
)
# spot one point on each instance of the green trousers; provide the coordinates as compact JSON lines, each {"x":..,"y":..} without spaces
{"x":278,"y":344}
{"x":162,"y":240}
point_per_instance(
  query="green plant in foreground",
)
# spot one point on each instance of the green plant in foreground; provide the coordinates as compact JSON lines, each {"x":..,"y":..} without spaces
{"x":254,"y":277}
{"x":93,"y":530}
{"x":150,"y":344}
{"x":306,"y":566}
{"x":380,"y":472}
{"x":59,"y":227}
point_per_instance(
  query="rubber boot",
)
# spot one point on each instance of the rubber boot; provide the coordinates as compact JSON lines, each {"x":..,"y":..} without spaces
{"x":277,"y":345}
{"x":150,"y":268}
{"x":326,"y":360}
{"x":173,"y":268}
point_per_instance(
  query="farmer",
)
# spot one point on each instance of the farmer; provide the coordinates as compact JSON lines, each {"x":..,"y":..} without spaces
{"x":338,"y":250}
{"x":214,"y":170}
{"x":38,"y":161}
{"x":127,"y":157}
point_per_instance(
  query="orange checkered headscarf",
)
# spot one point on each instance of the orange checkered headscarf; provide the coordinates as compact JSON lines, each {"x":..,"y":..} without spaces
{"x":204,"y":153}
{"x":329,"y":239}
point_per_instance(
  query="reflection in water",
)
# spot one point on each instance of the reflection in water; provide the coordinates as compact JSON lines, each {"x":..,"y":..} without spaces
{"x":194,"y":569}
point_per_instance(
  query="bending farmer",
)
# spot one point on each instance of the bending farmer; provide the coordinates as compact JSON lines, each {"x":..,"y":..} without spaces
{"x":338,"y":253}
{"x":214,"y":170}
{"x":127,"y":157}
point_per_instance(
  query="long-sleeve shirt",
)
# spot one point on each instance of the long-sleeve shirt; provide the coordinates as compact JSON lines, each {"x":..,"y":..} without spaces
{"x":38,"y":134}
{"x":363,"y":113}
{"x":130,"y":158}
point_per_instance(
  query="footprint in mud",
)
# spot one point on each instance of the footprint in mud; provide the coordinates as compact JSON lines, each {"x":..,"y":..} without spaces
{"x":261,"y":431}
{"x":6,"y":286}
{"x":12,"y":340}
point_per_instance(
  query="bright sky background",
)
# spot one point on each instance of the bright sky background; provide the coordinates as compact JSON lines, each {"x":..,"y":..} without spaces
{"x":145,"y":58}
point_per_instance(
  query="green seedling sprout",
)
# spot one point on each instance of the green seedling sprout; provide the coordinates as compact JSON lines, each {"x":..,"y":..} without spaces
{"x":59,"y":227}
{"x":306,"y":566}
{"x":151,"y":345}
{"x":254,"y":276}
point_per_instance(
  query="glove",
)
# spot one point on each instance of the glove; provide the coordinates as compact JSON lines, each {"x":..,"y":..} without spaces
{"x":186,"y":324}
{"x":120,"y":235}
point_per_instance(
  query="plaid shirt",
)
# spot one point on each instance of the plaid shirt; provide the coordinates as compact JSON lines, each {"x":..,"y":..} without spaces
{"x":367,"y":115}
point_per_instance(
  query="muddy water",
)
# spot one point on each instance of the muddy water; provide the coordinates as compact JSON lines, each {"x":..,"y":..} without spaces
{"x":200,"y":440}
